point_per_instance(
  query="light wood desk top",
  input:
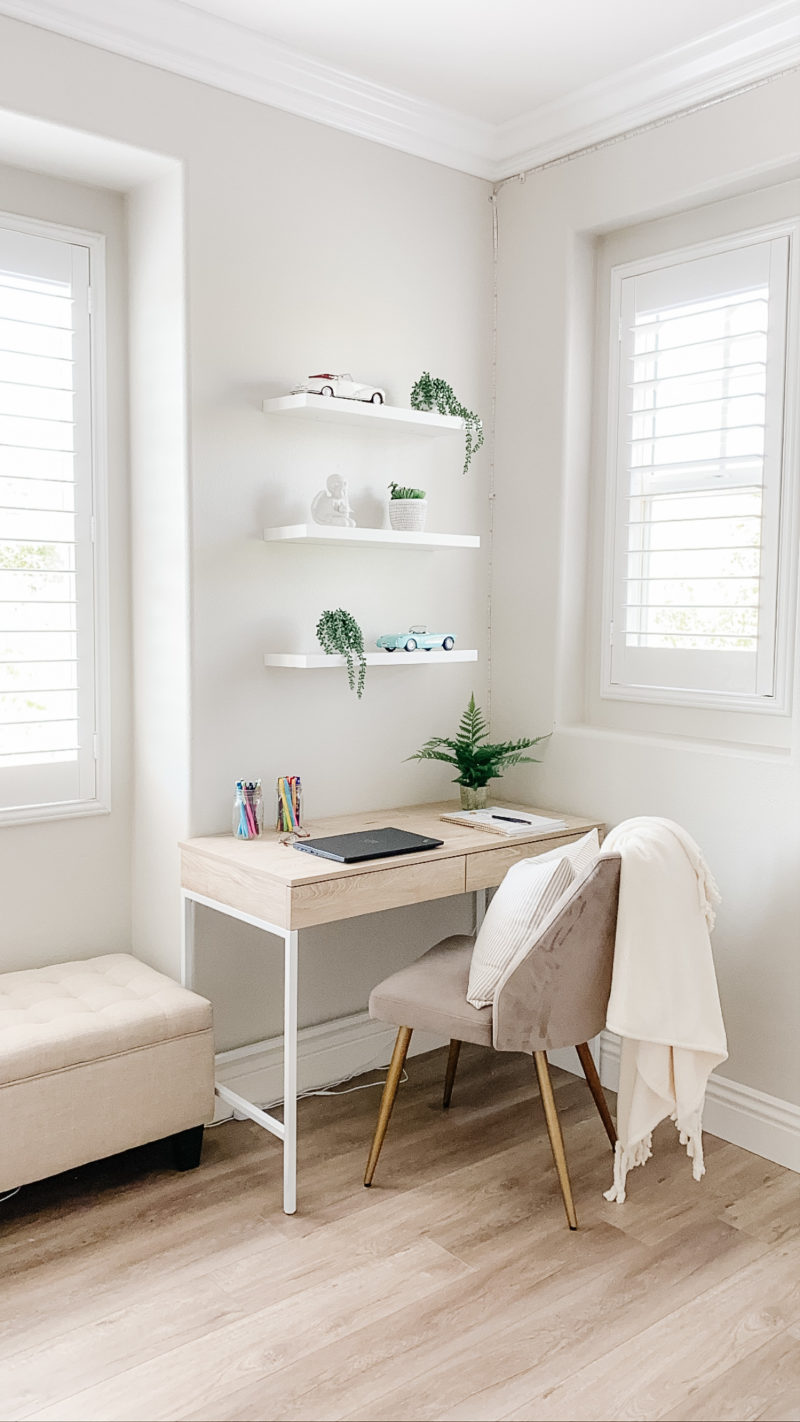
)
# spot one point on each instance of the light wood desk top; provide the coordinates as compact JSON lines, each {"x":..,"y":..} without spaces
{"x":274,"y":882}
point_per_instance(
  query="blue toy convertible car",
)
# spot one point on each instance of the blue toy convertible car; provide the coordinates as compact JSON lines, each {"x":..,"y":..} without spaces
{"x":417,"y":638}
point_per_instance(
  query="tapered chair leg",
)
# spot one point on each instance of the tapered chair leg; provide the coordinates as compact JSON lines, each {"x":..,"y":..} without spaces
{"x":593,"y":1080}
{"x":450,"y":1074}
{"x":387,"y":1100}
{"x":554,"y":1132}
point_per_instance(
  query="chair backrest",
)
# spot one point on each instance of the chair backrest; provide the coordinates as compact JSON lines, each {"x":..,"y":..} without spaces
{"x":557,"y":993}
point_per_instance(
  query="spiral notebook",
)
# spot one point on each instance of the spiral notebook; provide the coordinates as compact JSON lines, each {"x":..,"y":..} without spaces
{"x":497,"y":819}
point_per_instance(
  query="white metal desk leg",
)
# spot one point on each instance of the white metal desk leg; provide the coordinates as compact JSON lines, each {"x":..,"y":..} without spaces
{"x":480,"y":907}
{"x":290,"y":1075}
{"x":187,"y":942}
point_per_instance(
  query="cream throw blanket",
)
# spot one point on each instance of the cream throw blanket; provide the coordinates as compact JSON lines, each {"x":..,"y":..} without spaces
{"x":664,"y":1002}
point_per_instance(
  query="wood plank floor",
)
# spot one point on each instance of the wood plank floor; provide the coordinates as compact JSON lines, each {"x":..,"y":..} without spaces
{"x":451,"y":1290}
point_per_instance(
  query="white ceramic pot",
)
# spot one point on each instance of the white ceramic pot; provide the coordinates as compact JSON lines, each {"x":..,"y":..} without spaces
{"x":408,"y":515}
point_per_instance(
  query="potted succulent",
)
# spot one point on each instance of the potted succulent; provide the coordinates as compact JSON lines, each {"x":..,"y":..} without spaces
{"x":408,"y":509}
{"x":339,"y":634}
{"x":476,"y":761}
{"x":432,"y":393}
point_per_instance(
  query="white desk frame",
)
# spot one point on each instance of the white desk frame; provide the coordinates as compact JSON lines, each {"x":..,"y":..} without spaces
{"x":285,"y":1130}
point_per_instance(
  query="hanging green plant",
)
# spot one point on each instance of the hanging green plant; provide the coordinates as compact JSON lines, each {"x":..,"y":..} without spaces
{"x":338,"y":633}
{"x":432,"y":393}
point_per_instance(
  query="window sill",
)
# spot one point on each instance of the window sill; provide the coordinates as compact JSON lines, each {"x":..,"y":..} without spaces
{"x":740,"y":750}
{"x":39,"y":814}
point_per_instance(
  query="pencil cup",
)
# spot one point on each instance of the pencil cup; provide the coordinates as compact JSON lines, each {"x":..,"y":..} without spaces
{"x":248,"y":810}
{"x":289,"y":801}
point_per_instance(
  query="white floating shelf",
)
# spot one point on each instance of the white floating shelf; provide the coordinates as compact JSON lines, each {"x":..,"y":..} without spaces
{"x":310,"y":661}
{"x":368,"y":537}
{"x":357,"y":412}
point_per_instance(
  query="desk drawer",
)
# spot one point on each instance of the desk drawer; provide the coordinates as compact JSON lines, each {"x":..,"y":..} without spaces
{"x":348,"y":895}
{"x":488,"y":868}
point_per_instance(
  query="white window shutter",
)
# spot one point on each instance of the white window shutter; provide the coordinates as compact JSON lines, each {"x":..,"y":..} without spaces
{"x":47,"y":615}
{"x":698,"y":411}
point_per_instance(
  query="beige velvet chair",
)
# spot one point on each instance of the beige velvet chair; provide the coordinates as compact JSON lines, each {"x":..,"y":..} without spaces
{"x":554,"y":996}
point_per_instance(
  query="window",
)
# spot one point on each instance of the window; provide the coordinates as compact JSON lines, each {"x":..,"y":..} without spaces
{"x":49,"y":725}
{"x":697,"y":556}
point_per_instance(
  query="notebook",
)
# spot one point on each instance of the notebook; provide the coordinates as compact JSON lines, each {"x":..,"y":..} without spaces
{"x":496,"y":819}
{"x":366,"y":844}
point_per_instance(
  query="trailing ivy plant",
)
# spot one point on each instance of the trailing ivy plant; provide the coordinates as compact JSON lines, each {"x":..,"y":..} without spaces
{"x":476,"y":761}
{"x":339,"y":633}
{"x":398,"y":491}
{"x":432,"y":393}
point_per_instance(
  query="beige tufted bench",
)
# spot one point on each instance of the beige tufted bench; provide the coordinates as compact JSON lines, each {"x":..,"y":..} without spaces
{"x":95,"y":1057}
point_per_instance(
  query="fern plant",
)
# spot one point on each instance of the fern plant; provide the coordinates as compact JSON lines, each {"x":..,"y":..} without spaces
{"x":339,"y":633}
{"x":476,"y":760}
{"x":432,"y":393}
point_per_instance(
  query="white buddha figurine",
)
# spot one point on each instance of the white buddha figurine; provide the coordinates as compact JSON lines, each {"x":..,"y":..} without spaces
{"x":330,"y":506}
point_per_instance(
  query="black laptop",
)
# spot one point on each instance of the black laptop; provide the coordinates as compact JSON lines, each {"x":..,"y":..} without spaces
{"x":367,"y":844}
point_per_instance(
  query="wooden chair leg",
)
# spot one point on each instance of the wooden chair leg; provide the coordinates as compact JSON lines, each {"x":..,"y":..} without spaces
{"x":590,"y":1072}
{"x":450,"y":1074}
{"x":387,"y":1100}
{"x":554,"y":1132}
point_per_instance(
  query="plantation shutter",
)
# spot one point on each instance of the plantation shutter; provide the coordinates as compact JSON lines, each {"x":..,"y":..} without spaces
{"x":47,"y":694}
{"x":698,"y":473}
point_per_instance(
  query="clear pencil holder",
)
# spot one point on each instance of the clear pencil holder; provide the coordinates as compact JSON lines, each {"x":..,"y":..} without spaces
{"x":248,"y":810}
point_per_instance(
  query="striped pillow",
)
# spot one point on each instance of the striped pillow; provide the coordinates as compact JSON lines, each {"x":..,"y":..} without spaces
{"x":519,"y":909}
{"x":582,"y":854}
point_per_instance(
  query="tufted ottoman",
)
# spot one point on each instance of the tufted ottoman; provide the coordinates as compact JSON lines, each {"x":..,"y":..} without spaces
{"x":95,"y":1057}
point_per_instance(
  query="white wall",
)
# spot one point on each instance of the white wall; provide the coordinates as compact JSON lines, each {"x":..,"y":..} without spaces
{"x":302,"y":246}
{"x":741,"y":801}
{"x":65,"y":885}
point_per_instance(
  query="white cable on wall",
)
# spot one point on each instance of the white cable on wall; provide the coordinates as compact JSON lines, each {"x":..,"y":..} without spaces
{"x":648,"y":127}
{"x":492,"y":432}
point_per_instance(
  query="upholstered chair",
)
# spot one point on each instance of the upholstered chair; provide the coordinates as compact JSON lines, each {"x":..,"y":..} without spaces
{"x":553,"y":995}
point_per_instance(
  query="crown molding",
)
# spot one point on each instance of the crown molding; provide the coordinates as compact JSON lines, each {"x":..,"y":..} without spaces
{"x":175,"y":36}
{"x":741,"y":54}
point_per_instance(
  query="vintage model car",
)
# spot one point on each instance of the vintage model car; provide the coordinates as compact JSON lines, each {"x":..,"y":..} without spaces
{"x":343,"y":386}
{"x":416,"y":638}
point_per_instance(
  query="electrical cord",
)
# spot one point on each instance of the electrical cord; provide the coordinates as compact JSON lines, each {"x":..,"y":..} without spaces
{"x":330,"y":1090}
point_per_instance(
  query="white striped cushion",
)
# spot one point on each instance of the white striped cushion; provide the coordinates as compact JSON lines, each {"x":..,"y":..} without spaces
{"x":581,"y":855}
{"x":525,"y":899}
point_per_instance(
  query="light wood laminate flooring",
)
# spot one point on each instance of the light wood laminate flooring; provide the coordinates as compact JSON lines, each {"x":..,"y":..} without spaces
{"x":452,"y":1289}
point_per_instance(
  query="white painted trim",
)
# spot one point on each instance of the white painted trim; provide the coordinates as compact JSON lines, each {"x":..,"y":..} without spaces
{"x":349,"y":1046}
{"x":325,"y":1054}
{"x":763,"y":1124}
{"x":734,"y":57}
{"x":176,"y":36}
{"x":184,"y":40}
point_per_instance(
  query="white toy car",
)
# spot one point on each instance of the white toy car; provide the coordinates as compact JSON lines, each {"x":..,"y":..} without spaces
{"x":343,"y":386}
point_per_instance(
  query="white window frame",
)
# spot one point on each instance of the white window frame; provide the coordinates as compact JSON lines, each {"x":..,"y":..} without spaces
{"x":97,"y":748}
{"x":779,"y":703}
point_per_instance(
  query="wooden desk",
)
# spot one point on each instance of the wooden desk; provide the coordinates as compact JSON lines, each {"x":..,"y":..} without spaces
{"x":270,"y":885}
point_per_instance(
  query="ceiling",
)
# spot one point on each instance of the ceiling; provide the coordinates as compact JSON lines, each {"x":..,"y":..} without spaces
{"x":491,"y":62}
{"x":486,"y":88}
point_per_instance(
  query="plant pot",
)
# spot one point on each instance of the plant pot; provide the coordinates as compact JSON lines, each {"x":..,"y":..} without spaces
{"x":474,"y":799}
{"x":408,"y":515}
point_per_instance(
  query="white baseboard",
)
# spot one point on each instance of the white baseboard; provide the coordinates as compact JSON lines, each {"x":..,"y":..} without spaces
{"x":764,"y":1124}
{"x":326,"y":1054}
{"x":348,"y":1046}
